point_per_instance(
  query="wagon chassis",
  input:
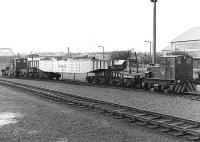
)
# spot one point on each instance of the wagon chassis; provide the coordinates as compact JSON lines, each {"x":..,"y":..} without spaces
{"x":186,"y":129}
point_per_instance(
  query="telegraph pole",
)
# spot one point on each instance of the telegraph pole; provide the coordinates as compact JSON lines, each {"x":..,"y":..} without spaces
{"x":154,"y":31}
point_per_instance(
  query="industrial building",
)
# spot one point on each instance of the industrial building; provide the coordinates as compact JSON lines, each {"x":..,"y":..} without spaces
{"x":189,"y":42}
{"x":6,"y":54}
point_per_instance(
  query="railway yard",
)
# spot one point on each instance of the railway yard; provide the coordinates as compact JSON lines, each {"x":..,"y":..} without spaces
{"x":124,"y":93}
{"x":88,"y":113}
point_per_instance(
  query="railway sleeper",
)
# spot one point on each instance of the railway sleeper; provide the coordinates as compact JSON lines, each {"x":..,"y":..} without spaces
{"x":129,"y":116}
{"x":72,"y":101}
{"x":131,"y":120}
{"x":152,"y":126}
{"x":121,"y":114}
{"x":147,"y":118}
{"x":176,"y":133}
{"x":108,"y":111}
{"x":184,"y":127}
{"x":78,"y":103}
{"x":159,"y":121}
{"x":93,"y":106}
{"x":193,"y":138}
{"x":194,"y":131}
{"x":164,"y":129}
{"x":175,"y":126}
{"x":85,"y":104}
{"x":179,"y":133}
{"x":141,"y":123}
{"x":98,"y":107}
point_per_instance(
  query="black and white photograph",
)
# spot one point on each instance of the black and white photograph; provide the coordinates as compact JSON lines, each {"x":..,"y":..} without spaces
{"x":99,"y":71}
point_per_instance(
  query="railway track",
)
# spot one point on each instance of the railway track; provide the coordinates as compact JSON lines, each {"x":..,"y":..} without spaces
{"x":189,"y":95}
{"x":187,"y":129}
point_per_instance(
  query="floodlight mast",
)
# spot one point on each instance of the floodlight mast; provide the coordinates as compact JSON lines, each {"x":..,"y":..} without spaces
{"x":154,"y":32}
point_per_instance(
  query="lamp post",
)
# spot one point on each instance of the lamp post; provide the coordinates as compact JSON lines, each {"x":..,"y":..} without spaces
{"x":154,"y":32}
{"x":103,"y":50}
{"x":150,"y":49}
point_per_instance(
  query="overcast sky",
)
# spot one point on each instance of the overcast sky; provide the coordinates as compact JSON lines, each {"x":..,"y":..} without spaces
{"x":53,"y":25}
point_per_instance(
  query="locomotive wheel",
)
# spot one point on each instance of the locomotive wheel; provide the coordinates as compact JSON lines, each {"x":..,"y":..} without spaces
{"x":111,"y":81}
{"x":95,"y":80}
{"x":102,"y":81}
{"x":145,"y":85}
{"x":118,"y":82}
{"x":127,"y":82}
{"x":166,"y":90}
{"x":152,"y":89}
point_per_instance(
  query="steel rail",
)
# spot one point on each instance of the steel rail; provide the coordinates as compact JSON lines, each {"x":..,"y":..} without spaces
{"x":165,"y":123}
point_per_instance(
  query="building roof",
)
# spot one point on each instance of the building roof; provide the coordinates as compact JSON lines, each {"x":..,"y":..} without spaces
{"x":6,"y":52}
{"x":194,"y":54}
{"x":191,"y":34}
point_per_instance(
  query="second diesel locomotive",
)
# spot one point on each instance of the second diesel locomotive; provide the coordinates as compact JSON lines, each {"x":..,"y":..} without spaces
{"x":173,"y":74}
{"x":19,"y":68}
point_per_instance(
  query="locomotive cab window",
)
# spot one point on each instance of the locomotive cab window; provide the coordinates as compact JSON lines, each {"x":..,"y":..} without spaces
{"x":178,"y":60}
{"x":168,"y":61}
{"x":189,"y":61}
{"x":163,"y":60}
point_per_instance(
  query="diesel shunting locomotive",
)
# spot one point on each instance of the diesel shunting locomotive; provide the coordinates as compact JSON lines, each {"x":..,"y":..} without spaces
{"x":173,"y":74}
{"x":19,"y":68}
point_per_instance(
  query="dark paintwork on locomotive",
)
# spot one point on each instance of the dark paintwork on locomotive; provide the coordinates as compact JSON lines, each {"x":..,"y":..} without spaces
{"x":173,"y":67}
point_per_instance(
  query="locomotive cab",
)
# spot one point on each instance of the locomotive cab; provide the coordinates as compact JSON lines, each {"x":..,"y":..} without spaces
{"x":173,"y":67}
{"x":174,"y":73}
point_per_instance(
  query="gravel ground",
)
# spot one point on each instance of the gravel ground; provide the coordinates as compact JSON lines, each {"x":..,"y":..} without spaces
{"x":27,"y":118}
{"x":162,"y":103}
